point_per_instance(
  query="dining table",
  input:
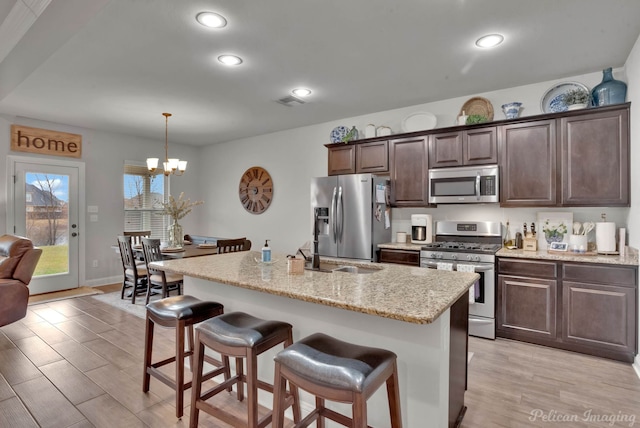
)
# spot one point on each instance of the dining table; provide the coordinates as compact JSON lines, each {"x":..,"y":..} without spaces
{"x":188,"y":250}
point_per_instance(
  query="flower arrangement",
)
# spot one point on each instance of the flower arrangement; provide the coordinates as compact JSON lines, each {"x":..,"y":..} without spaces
{"x":576,"y":96}
{"x":554,"y":233}
{"x":179,"y":208}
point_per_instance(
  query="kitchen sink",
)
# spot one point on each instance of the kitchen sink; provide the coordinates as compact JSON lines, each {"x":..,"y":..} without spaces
{"x":330,"y":267}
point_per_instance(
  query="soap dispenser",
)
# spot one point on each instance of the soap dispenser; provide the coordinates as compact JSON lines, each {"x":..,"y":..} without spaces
{"x":266,"y":252}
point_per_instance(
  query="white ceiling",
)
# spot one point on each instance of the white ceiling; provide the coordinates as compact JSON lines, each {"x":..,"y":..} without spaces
{"x":116,"y":65}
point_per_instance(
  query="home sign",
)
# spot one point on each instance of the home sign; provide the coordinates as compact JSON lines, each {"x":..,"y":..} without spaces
{"x":45,"y":142}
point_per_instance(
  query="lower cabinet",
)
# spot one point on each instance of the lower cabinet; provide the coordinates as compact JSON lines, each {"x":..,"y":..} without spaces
{"x":403,"y":257}
{"x":582,"y":307}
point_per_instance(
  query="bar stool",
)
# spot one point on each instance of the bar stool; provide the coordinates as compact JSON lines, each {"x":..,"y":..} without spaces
{"x":242,"y":336}
{"x":178,"y":312}
{"x":339,"y":371}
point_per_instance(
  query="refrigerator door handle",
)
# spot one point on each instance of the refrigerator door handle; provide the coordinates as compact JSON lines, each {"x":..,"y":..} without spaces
{"x":334,"y":203}
{"x":340,"y":219}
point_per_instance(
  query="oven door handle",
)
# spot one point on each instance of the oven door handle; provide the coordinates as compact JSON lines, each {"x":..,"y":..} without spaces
{"x":476,"y":268}
{"x":478,"y":187}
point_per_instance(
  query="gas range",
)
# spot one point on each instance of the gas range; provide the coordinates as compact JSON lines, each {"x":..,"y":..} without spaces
{"x":464,"y":241}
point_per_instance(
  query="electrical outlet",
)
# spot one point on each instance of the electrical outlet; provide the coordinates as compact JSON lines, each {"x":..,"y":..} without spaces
{"x":95,"y":263}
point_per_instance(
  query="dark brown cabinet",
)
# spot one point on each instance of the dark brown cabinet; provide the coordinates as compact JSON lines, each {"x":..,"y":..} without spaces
{"x":582,"y":307}
{"x":471,"y":147}
{"x":528,"y":164}
{"x":403,"y":257}
{"x":595,"y":159}
{"x":372,"y":157}
{"x":409,"y":172}
{"x":527,"y":299}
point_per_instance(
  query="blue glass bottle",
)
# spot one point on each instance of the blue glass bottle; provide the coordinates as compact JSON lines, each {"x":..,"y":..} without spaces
{"x":609,"y":91}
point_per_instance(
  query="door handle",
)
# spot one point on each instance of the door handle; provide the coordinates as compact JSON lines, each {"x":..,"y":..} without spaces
{"x":341,"y":213}
{"x":478,"y":187}
{"x":334,"y":203}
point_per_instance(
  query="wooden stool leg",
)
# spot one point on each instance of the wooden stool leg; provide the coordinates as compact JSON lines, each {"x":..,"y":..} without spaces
{"x":148,"y":349}
{"x":196,"y":384}
{"x":359,"y":411}
{"x":191,"y":346}
{"x":320,"y":406}
{"x":393,"y":394}
{"x":279,"y":392}
{"x":227,"y":370}
{"x":179,"y":369}
{"x":240,"y":374}
{"x":252,"y":388}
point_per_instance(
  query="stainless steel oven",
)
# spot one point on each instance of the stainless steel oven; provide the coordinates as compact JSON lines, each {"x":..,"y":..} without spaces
{"x":469,"y":246}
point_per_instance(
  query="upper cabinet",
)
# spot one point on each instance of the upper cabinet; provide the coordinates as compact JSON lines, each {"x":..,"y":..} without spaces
{"x":595,"y":159}
{"x":573,"y":158}
{"x":528,"y":164}
{"x":360,"y":158}
{"x":470,"y":147}
{"x":409,"y":173}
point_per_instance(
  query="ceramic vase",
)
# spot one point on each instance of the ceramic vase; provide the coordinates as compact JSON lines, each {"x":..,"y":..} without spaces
{"x":511,"y":110}
{"x":176,"y":239}
{"x":609,"y":91}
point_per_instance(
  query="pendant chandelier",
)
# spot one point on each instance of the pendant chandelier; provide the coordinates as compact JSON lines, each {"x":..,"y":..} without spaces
{"x":171,"y":166}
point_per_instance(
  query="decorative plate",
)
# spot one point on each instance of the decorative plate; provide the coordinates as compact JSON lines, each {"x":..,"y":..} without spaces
{"x":478,"y":105}
{"x":338,"y":133}
{"x":205,"y":245}
{"x":419,"y":121}
{"x":552,"y":101}
{"x":172,"y":250}
{"x":260,"y":262}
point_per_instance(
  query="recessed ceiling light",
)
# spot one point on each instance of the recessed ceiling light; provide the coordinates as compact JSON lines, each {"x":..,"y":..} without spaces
{"x":301,"y":92}
{"x":489,"y":40}
{"x":211,"y":20}
{"x":230,"y":59}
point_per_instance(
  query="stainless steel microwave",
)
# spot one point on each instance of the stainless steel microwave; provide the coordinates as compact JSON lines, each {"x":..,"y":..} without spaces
{"x":464,"y":185}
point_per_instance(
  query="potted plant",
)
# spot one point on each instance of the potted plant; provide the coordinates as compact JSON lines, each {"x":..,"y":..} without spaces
{"x":177,"y":209}
{"x":554,"y":232}
{"x":576,"y":99}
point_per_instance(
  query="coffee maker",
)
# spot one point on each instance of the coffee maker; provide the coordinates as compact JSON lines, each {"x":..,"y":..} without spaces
{"x":421,"y":229}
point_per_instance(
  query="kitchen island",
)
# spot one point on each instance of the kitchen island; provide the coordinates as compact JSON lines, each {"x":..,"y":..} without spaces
{"x":420,"y":314}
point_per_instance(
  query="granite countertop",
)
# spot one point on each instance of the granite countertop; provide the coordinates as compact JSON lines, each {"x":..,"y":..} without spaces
{"x":404,"y":293}
{"x":401,"y":246}
{"x":630,"y":257}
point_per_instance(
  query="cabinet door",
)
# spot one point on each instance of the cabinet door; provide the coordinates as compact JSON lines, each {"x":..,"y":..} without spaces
{"x":595,"y":159}
{"x":342,"y":160}
{"x":372,"y":157}
{"x":445,"y":150}
{"x":526,"y":307}
{"x":409,"y":172}
{"x":528,"y":164}
{"x":403,"y":257}
{"x":599,"y":316}
{"x":479,"y":146}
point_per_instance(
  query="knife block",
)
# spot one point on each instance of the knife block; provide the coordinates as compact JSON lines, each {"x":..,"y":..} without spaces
{"x":530,"y":243}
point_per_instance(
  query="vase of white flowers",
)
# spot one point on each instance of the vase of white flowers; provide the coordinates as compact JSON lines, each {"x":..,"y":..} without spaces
{"x":177,"y":209}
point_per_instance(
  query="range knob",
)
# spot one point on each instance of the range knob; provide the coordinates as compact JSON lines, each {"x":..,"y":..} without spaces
{"x":438,"y":255}
{"x":432,"y":255}
{"x":476,"y":258}
{"x":454,"y":257}
{"x":469,"y":257}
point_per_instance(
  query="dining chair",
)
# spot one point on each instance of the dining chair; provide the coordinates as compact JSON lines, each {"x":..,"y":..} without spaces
{"x":158,"y":278}
{"x":135,"y":275}
{"x":137,"y":235}
{"x":233,"y":245}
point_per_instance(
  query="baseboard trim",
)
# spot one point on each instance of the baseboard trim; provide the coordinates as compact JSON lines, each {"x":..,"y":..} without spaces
{"x":636,"y":365}
{"x":103,"y":281}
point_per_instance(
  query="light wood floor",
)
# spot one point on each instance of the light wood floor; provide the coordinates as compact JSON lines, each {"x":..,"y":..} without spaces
{"x":77,"y":363}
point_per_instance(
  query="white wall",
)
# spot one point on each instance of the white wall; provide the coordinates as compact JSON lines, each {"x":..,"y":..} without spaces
{"x":104,"y":155}
{"x":632,"y":68}
{"x":294,"y":156}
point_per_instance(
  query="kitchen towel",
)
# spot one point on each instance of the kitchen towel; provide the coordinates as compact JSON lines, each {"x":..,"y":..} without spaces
{"x":475,"y":288}
{"x":445,"y":266}
{"x":606,"y":236}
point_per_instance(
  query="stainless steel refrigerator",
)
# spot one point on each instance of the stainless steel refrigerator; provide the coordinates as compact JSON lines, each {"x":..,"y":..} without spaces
{"x":352,"y":215}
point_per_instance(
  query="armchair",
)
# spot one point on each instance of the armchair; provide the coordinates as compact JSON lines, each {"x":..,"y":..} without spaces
{"x":18,"y":260}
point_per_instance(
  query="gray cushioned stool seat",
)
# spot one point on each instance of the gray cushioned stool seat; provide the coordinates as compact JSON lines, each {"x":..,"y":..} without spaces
{"x":334,"y":363}
{"x":241,"y":330}
{"x":183,"y":308}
